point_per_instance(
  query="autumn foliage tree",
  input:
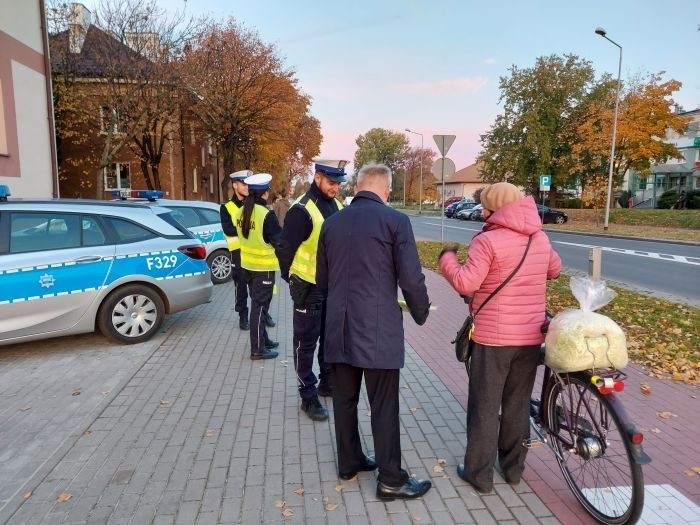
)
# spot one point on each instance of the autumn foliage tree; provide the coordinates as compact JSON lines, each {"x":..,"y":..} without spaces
{"x":387,"y":147}
{"x":249,"y":102}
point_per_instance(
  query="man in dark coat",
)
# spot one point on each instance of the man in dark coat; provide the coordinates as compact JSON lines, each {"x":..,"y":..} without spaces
{"x":364,"y":252}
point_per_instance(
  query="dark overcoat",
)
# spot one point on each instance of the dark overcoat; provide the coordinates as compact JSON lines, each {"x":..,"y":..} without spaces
{"x":365,"y":252}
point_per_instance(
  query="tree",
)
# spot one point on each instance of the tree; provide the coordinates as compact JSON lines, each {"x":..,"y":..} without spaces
{"x":644,"y":118}
{"x":383,"y":146}
{"x":527,"y":140}
{"x":119,"y":80}
{"x":411,"y":166}
{"x":249,"y":103}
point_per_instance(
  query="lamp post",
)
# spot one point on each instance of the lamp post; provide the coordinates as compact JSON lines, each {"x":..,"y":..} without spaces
{"x":420,"y":182}
{"x":600,"y":31}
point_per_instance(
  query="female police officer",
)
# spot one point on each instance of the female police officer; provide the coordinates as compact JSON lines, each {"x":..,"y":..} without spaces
{"x":258,"y":230}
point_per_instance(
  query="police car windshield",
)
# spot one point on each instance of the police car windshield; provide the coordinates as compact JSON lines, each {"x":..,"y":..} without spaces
{"x":169,"y":217}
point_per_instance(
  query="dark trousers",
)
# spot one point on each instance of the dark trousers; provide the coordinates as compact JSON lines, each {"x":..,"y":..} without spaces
{"x":308,"y":323}
{"x":499,"y":377}
{"x":240,"y":284}
{"x":383,"y":393}
{"x":260,"y":287}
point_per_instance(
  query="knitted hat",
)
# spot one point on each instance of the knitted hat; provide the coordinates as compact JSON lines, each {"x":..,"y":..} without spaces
{"x":498,"y":195}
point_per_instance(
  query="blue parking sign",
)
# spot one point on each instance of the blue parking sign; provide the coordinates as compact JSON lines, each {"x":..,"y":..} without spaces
{"x":545,"y":182}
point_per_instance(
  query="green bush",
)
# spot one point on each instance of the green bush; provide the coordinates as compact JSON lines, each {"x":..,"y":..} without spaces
{"x":667,"y":199}
{"x":623,"y":199}
{"x":569,"y":203}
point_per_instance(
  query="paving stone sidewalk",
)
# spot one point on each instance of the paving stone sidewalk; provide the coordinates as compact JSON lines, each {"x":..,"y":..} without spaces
{"x":202,"y":434}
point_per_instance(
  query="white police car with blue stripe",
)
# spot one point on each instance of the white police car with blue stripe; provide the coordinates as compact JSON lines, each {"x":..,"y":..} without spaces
{"x":69,"y":266}
{"x":201,"y":218}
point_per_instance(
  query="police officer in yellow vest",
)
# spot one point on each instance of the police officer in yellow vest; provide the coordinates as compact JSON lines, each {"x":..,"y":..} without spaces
{"x":297,"y":256}
{"x":258,"y":230}
{"x":240,"y":192}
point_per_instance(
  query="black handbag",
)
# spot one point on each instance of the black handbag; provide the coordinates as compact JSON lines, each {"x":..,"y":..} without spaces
{"x":464,"y":344}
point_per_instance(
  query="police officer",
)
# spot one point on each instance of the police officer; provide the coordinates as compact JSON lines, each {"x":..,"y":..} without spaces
{"x":297,"y":257}
{"x":258,"y":230}
{"x":240,"y":192}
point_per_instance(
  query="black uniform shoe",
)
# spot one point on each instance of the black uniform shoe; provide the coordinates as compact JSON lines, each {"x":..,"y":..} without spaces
{"x":244,"y":324}
{"x":413,"y":488}
{"x":368,"y":464}
{"x":267,"y":354}
{"x":314,"y":409}
{"x":269,"y":345}
{"x":481,"y":490}
{"x":325,"y":390}
{"x":269,"y":322}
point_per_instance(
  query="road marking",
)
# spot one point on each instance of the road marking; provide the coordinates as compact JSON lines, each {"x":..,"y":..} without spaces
{"x":431,"y":223}
{"x":638,"y":253}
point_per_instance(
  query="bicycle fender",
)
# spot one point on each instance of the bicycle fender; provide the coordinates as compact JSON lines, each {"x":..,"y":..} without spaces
{"x":640,"y":457}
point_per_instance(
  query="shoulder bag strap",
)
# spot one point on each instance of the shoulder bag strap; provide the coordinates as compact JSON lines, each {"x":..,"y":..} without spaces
{"x":529,"y":240}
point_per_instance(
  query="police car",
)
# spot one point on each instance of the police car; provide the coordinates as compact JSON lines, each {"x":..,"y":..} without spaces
{"x":201,"y":218}
{"x":71,"y":266}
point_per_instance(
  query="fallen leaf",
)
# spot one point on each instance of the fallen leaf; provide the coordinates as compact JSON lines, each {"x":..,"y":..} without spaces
{"x":666,"y":415}
{"x":164,"y":402}
{"x":300,"y":491}
{"x":646,"y":389}
{"x":76,"y":392}
{"x":438,"y":469}
{"x":404,"y":386}
{"x":442,"y":462}
{"x":280,"y":503}
{"x":106,"y":392}
{"x":331,"y":506}
{"x":416,"y":520}
{"x":64,"y":496}
{"x":655,"y":430}
{"x":339,"y":488}
{"x":696,"y":470}
{"x":689,"y":473}
{"x":287,"y":513}
{"x":325,"y":499}
{"x":413,"y":410}
{"x":27,"y":495}
{"x":209,"y":433}
{"x":24,"y":409}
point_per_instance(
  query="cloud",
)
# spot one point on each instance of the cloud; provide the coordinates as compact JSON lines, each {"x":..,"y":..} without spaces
{"x":489,"y":61}
{"x":442,"y":87}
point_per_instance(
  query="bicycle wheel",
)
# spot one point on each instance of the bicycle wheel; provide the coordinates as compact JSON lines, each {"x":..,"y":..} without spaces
{"x":593,"y":451}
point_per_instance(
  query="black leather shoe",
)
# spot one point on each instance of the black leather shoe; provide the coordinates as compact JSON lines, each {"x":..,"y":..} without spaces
{"x":244,"y":324}
{"x":269,"y":322}
{"x":368,"y":465}
{"x":314,"y":409}
{"x":264,"y":355}
{"x":325,"y":390}
{"x":269,"y":345}
{"x":462,"y":474}
{"x":413,"y":488}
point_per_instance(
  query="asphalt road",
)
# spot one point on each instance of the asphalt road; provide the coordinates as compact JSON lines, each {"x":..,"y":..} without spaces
{"x":669,"y":269}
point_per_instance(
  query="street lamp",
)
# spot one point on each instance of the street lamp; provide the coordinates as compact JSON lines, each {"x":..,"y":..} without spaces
{"x":600,"y":31}
{"x":420,"y":183}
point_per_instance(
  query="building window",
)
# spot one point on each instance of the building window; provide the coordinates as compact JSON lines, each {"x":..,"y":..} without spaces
{"x":111,"y":119}
{"x":117,"y":177}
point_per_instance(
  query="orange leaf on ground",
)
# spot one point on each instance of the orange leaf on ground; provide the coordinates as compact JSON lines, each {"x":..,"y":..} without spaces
{"x":287,"y":513}
{"x":666,"y":415}
{"x":27,"y":495}
{"x":331,"y":506}
{"x":280,"y":503}
{"x":646,"y":389}
{"x":300,"y":491}
{"x":64,"y":496}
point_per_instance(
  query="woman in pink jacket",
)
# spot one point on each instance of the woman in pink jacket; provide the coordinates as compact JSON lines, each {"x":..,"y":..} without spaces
{"x":507,"y":331}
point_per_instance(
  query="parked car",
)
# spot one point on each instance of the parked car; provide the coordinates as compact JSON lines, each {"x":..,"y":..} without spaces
{"x":451,"y":200}
{"x":475,"y":213}
{"x":71,"y":266}
{"x":462,"y":208}
{"x":201,"y":218}
{"x":551,"y":216}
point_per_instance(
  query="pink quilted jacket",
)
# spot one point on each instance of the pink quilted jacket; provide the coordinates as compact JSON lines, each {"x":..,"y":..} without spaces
{"x":516,"y":313}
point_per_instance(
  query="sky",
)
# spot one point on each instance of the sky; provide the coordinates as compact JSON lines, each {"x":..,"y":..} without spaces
{"x":433,"y":66}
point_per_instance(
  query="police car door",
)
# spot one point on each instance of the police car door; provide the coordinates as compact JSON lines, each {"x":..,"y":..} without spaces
{"x":203,"y":222}
{"x":52,"y":267}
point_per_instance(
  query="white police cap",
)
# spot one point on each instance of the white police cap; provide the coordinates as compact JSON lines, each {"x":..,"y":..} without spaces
{"x":259,"y":181}
{"x":240,"y":175}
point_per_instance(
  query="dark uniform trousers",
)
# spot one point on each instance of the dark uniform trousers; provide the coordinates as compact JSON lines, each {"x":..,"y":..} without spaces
{"x":499,"y":377}
{"x":260,"y":288}
{"x":383,"y":393}
{"x":239,"y":284}
{"x":308,"y":323}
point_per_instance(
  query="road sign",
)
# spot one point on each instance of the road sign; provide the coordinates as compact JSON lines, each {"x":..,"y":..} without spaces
{"x":443,"y":167}
{"x":545,"y":182}
{"x":444,"y":143}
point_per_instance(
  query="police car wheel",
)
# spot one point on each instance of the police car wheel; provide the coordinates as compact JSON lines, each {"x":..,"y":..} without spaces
{"x":131,"y":314}
{"x":220,"y":266}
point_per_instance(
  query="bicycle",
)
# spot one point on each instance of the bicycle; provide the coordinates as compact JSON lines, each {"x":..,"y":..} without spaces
{"x":598,"y":448}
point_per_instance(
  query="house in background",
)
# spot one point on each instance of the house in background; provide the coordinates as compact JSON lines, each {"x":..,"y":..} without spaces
{"x":27,"y":145}
{"x":462,"y":184}
{"x":90,"y":59}
{"x":675,"y":174}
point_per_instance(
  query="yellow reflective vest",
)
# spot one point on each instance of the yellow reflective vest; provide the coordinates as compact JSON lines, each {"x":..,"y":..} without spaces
{"x":233,"y":242}
{"x":304,"y":263}
{"x":256,"y":254}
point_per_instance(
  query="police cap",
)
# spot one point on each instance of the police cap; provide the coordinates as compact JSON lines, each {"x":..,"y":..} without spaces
{"x":239,"y":176}
{"x":333,"y":173}
{"x":259,"y":181}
